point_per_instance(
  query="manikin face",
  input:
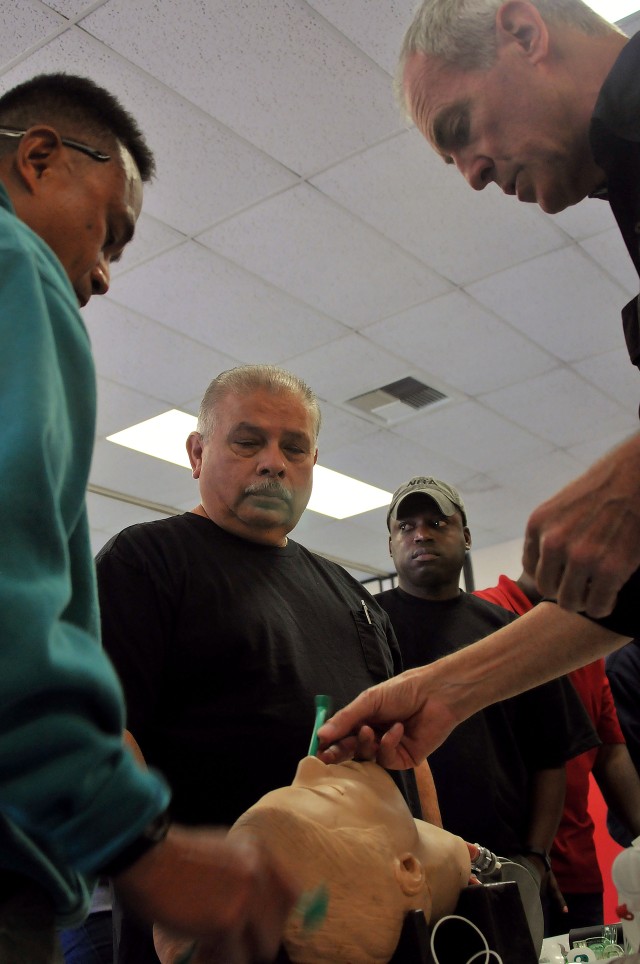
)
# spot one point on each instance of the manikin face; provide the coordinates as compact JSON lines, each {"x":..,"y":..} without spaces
{"x":428,"y":548}
{"x":509,"y":125}
{"x":256,"y":467}
{"x":346,"y":795}
{"x":347,"y":828}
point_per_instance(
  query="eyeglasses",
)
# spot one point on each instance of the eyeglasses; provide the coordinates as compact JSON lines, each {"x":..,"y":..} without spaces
{"x":75,"y":145}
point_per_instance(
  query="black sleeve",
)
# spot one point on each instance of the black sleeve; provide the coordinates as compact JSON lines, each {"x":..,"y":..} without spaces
{"x":554,"y":725}
{"x":625,"y":618}
{"x":136,"y":619}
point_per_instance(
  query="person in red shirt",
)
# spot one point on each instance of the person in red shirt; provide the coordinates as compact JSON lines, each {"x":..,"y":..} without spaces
{"x":573,"y":855}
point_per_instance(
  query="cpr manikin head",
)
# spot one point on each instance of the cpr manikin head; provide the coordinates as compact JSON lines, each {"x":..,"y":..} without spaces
{"x":348,"y":827}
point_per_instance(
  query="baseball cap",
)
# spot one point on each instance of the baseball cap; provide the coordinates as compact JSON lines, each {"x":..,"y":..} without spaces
{"x":445,"y":496}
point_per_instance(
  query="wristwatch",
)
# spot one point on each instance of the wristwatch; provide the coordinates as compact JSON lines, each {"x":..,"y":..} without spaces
{"x":538,"y":852}
{"x":153,"y":833}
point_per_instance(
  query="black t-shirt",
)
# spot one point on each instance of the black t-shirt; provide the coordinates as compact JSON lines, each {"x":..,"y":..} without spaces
{"x":221,"y":645}
{"x":483,"y":770}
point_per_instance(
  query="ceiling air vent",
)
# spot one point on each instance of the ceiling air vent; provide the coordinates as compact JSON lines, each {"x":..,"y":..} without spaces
{"x":396,"y":401}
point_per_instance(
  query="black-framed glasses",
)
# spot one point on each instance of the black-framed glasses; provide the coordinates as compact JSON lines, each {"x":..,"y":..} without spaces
{"x":74,"y":145}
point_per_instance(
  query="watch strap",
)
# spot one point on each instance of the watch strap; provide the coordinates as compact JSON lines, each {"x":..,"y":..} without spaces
{"x":538,"y":852}
{"x":153,"y":833}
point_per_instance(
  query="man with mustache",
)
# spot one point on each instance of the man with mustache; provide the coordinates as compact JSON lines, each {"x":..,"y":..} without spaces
{"x":223,"y":629}
{"x":512,"y":753}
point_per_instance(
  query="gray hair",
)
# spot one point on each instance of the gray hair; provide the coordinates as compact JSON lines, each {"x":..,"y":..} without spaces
{"x":249,"y":378}
{"x":462,"y":33}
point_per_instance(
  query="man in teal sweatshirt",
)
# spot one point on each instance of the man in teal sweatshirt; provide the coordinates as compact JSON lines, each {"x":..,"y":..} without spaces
{"x":73,"y":802}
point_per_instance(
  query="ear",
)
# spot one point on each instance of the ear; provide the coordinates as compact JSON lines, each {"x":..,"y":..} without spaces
{"x":315,"y":457}
{"x":409,"y":873}
{"x":467,"y":537}
{"x":195,"y":449}
{"x":39,"y":149}
{"x":520,"y":23}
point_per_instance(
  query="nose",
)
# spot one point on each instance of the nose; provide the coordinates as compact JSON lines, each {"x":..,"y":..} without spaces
{"x":271,"y":461}
{"x":101,"y":276}
{"x":478,"y":172}
{"x":422,"y":532}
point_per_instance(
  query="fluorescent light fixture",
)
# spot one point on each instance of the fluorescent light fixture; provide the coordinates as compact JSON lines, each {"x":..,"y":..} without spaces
{"x":334,"y":494}
{"x":164,"y":436}
{"x":613,"y":10}
{"x":340,"y":496}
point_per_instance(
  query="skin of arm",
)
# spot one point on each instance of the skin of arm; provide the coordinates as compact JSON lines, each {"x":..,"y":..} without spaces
{"x":402,"y":720}
{"x":547,"y":802}
{"x":618,"y":780}
{"x":224,"y":892}
{"x":583,"y":544}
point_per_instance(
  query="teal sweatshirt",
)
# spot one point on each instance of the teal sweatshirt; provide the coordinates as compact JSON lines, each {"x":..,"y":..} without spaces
{"x":71,"y":796}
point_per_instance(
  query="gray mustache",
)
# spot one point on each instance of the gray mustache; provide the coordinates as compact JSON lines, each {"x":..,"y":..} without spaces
{"x":274,"y":488}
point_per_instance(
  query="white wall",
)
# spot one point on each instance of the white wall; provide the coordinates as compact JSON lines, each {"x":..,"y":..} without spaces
{"x":490,"y":562}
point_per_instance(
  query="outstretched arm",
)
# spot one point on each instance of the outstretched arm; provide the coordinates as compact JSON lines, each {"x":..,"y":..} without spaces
{"x":583,"y":544}
{"x":402,"y":720}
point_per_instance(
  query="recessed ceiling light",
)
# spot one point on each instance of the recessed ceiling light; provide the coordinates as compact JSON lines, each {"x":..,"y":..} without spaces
{"x":334,"y":494}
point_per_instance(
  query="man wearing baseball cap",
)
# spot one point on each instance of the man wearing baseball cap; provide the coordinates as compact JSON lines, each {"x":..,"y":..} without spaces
{"x":510,"y":755}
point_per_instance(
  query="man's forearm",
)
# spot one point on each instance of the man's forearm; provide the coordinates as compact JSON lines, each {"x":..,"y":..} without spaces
{"x":619,"y":783}
{"x":541,"y":645}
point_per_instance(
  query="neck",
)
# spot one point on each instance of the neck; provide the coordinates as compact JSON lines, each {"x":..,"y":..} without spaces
{"x":431,"y":593}
{"x":279,"y":543}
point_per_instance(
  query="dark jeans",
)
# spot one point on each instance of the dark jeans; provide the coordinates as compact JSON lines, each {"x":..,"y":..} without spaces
{"x":91,"y":943}
{"x":27,"y":930}
{"x":585,"y":910}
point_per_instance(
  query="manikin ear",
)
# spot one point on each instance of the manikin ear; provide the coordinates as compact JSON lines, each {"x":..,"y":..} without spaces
{"x":194,"y":451}
{"x":520,"y":23}
{"x":39,"y":149}
{"x":409,"y":872}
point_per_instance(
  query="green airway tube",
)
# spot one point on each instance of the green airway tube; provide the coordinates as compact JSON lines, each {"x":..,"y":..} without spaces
{"x":323,"y":709}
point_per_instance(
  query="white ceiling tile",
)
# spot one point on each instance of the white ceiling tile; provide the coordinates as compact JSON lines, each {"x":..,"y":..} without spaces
{"x":472,"y":435}
{"x":340,"y":427}
{"x":560,"y":300}
{"x":584,"y":220}
{"x":559,"y":406}
{"x":347,"y":367}
{"x":403,"y":189}
{"x":218,"y":303}
{"x":590,"y":451}
{"x":614,"y":375}
{"x":257,"y":68}
{"x":119,"y":407}
{"x":501,"y":510}
{"x":309,"y":246}
{"x":152,"y":237}
{"x":387,"y":460}
{"x":123,"y":470}
{"x":139,"y":353}
{"x":380,"y":36}
{"x":463,"y":343}
{"x":609,"y":250}
{"x":71,"y":8}
{"x":22,"y":25}
{"x":535,"y":480}
{"x":205,"y":172}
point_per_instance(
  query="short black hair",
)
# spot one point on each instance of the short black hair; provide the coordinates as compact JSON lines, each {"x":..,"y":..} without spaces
{"x":78,"y":106}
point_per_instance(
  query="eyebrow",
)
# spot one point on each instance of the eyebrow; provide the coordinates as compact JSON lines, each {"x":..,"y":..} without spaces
{"x":450,"y":129}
